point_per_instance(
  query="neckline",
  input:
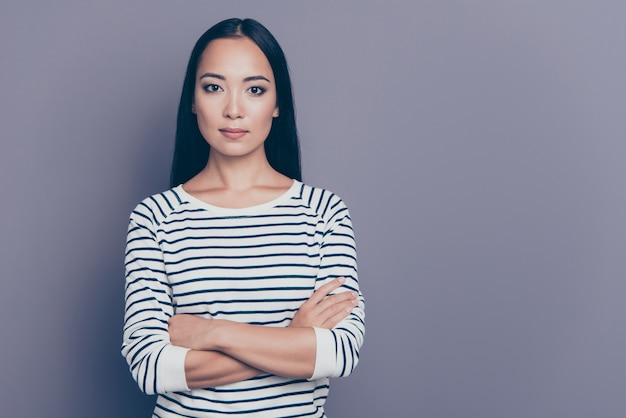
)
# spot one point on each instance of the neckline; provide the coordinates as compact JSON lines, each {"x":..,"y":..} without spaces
{"x":238,"y":211}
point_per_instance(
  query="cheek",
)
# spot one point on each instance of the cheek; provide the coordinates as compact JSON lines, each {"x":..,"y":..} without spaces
{"x":268,"y":113}
{"x":205,"y":114}
{"x":206,"y":123}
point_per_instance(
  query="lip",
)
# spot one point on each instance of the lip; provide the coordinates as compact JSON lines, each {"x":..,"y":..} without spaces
{"x":233,"y":133}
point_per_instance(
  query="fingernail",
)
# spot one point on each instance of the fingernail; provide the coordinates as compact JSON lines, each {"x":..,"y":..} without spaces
{"x":342,"y":280}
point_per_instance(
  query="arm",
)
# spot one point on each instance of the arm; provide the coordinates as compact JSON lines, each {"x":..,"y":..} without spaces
{"x":294,"y":345}
{"x":288,"y":352}
{"x":205,"y":369}
{"x":338,"y":348}
{"x":157,"y":365}
{"x":306,"y":351}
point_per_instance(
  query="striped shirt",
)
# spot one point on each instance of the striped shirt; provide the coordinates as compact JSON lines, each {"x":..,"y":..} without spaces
{"x":254,"y":265}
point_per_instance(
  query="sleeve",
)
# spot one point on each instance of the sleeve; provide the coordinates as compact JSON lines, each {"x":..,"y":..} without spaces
{"x":156,"y":365}
{"x":338,"y":348}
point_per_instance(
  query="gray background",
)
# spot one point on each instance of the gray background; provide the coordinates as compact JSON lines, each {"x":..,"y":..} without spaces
{"x":479,"y":145}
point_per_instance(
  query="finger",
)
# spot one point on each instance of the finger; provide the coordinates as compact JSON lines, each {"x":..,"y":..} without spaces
{"x":336,"y":299}
{"x":324,"y":290}
{"x":338,"y":316}
{"x":338,"y":309}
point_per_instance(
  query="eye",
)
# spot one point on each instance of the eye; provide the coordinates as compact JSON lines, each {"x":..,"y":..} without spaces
{"x":256,"y":90}
{"x":211,"y":88}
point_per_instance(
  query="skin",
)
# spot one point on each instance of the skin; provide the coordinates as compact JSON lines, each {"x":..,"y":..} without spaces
{"x":235,"y":101}
{"x":225,"y":352}
{"x":237,"y":173}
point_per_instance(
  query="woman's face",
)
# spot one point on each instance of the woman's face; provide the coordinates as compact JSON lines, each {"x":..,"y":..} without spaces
{"x":235,"y":97}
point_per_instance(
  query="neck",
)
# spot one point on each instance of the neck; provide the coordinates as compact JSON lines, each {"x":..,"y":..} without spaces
{"x":238,"y":174}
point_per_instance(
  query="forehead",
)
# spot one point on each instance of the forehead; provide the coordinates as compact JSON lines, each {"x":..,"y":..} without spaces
{"x":234,"y":58}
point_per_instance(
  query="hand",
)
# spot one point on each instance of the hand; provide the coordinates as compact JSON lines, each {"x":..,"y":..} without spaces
{"x":189,"y":331}
{"x":324,"y":311}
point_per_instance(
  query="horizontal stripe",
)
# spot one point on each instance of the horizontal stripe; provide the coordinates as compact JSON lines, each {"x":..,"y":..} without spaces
{"x":253,"y":266}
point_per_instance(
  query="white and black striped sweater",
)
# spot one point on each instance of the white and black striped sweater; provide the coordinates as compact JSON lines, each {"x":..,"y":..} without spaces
{"x":255,"y":265}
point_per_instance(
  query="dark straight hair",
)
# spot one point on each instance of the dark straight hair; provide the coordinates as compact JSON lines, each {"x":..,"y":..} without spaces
{"x":282,"y":148}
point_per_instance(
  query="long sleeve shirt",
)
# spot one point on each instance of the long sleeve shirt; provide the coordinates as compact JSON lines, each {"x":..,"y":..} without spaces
{"x":254,"y":265}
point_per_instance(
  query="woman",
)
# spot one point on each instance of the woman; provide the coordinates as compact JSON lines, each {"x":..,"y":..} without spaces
{"x":241,"y":287}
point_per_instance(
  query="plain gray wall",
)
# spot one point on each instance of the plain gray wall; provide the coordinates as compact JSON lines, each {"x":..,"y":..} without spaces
{"x":480,"y":146}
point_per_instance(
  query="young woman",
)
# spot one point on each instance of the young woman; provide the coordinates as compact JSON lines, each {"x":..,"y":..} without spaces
{"x":241,"y":284}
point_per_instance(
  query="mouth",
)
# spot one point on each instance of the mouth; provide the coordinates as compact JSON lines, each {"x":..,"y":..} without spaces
{"x":233,"y":133}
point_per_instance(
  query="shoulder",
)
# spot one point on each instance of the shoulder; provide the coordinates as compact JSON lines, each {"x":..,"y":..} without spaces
{"x":325,"y":203}
{"x":156,"y":208}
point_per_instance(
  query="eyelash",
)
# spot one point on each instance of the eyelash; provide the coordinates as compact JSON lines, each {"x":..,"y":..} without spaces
{"x":260,"y":92}
{"x":209,"y":88}
{"x":214,"y":88}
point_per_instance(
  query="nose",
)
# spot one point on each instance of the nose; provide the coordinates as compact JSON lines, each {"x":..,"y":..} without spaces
{"x":233,"y":108}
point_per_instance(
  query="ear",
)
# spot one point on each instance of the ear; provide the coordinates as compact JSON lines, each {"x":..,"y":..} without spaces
{"x":193,"y":106}
{"x":276,"y":112}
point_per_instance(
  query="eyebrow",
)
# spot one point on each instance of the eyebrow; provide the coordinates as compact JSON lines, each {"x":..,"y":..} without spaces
{"x":221,"y":77}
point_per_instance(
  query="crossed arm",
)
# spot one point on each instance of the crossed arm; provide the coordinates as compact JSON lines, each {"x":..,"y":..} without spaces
{"x":172,"y":353}
{"x":223,"y":352}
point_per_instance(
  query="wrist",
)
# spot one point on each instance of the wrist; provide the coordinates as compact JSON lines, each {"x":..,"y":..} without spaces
{"x":214,"y":337}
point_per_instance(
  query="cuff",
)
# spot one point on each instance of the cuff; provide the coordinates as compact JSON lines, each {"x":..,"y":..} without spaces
{"x":324,"y":354}
{"x":171,"y":370}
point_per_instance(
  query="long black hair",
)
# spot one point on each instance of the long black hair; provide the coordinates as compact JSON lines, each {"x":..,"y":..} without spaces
{"x":282,"y":147}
